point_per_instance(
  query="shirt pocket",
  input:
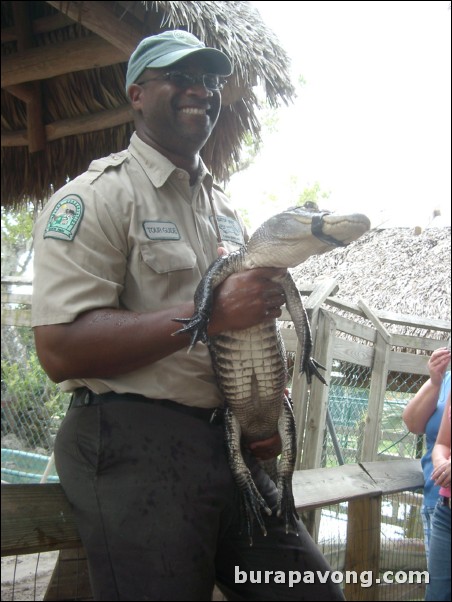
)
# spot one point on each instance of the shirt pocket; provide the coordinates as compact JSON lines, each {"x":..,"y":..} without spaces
{"x":171,"y":270}
{"x":165,"y":257}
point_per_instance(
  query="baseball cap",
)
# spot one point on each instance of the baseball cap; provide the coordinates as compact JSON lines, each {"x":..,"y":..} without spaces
{"x":169,"y":47}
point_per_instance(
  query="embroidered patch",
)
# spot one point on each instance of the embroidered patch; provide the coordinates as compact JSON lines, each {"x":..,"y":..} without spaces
{"x":161,"y":230}
{"x":65,"y":218}
{"x":230,"y":229}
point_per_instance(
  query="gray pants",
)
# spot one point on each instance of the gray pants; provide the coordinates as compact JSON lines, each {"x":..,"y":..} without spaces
{"x":159,"y":513}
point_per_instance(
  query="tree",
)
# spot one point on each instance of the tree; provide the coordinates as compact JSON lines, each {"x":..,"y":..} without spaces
{"x":17,"y":242}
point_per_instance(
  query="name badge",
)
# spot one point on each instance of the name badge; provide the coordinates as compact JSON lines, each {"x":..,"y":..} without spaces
{"x":230,"y":229}
{"x":161,"y":230}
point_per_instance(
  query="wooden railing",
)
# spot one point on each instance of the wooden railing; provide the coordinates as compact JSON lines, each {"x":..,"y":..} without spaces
{"x":38,"y":518}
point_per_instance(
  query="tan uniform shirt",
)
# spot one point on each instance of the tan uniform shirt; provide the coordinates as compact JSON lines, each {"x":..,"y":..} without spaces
{"x":130,"y":233}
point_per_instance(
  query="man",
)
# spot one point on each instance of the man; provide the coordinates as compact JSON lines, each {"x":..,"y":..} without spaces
{"x":140,"y":453}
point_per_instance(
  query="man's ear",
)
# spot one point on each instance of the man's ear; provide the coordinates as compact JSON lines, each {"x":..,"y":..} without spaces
{"x":134,"y":93}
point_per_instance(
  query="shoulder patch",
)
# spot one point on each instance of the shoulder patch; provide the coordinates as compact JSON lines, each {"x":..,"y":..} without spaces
{"x":230,"y":229}
{"x":65,"y":218}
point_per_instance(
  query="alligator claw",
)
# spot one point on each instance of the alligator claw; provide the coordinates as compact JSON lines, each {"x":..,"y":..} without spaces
{"x":311,"y":369}
{"x":286,"y":505}
{"x":196,"y":326}
{"x":252,"y":506}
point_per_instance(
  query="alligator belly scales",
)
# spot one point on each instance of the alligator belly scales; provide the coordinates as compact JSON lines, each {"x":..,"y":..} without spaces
{"x":250,"y":365}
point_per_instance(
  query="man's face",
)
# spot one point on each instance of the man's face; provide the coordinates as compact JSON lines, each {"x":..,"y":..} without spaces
{"x":176,"y":118}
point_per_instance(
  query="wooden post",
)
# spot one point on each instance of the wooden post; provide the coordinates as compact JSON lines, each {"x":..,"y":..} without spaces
{"x":314,"y":428}
{"x":378,"y":383}
{"x":70,"y":578}
{"x":316,"y":415}
{"x":363,"y":547}
{"x":300,"y":388}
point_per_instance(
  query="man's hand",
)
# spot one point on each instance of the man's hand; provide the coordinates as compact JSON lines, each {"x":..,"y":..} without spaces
{"x":266,"y":449}
{"x":247,"y":298}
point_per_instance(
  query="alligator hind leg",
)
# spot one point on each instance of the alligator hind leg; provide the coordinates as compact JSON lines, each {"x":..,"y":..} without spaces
{"x":252,"y":501}
{"x":286,"y":503}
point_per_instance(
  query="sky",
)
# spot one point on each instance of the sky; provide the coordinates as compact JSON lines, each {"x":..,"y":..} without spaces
{"x":372,"y":122}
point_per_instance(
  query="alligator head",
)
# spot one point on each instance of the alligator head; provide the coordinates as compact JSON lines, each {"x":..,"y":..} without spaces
{"x":289,"y":238}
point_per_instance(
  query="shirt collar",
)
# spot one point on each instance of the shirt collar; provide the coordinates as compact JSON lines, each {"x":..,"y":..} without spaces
{"x":157,"y":167}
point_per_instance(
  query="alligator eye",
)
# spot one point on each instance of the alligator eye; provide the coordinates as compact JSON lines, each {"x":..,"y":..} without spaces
{"x":311,"y":205}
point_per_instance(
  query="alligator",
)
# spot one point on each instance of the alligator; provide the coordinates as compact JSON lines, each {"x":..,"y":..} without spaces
{"x":250,"y":365}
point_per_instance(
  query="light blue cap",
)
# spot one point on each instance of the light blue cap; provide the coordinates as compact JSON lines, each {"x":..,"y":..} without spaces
{"x":169,"y":47}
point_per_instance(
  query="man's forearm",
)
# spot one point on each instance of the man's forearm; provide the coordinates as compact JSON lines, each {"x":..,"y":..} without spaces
{"x":105,"y":342}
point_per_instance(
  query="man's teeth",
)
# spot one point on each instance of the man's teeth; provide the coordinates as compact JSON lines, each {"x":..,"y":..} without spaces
{"x":193,"y":111}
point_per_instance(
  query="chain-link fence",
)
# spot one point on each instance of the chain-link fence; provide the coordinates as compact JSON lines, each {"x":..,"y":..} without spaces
{"x":348,"y":401}
{"x":402,"y":549}
{"x":32,"y":410}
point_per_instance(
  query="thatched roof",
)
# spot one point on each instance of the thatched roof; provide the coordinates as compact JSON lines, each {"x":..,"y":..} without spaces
{"x":393,"y":270}
{"x":63,"y":71}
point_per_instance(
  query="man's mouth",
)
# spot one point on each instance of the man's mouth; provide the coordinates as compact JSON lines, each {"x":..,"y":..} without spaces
{"x":193,"y":111}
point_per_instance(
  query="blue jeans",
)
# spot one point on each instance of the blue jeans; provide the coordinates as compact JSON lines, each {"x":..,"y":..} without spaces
{"x":427,"y":513}
{"x":439,"y":555}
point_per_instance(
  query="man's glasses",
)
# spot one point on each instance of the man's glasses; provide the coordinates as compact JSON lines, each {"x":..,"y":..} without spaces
{"x":183,"y":80}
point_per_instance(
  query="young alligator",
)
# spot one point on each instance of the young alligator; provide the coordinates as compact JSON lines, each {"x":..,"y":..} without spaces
{"x":250,"y":365}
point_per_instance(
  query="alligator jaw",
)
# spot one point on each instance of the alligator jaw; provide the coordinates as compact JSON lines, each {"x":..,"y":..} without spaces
{"x":291,"y":237}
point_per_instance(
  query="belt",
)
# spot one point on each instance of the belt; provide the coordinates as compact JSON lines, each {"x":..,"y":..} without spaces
{"x":445,"y":501}
{"x":83,"y":397}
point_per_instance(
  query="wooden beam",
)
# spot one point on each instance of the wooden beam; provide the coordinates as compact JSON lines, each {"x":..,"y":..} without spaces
{"x":98,"y":18}
{"x":38,"y":517}
{"x":18,"y":138}
{"x":38,"y":26}
{"x":71,"y":127}
{"x":392,"y":317}
{"x":331,"y":486}
{"x":35,"y":123}
{"x":395,"y":475}
{"x":24,"y":92}
{"x":89,"y":123}
{"x":57,"y":59}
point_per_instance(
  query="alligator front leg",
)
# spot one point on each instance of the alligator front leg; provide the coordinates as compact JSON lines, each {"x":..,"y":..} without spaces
{"x":218,"y":271}
{"x":308,"y":365}
{"x":287,"y":431}
{"x":252,"y":500}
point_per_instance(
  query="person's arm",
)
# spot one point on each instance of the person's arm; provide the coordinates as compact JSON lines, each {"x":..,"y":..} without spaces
{"x":441,"y":450}
{"x":421,"y":407}
{"x":106,"y":342}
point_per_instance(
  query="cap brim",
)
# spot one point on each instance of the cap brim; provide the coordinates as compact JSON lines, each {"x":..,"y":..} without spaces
{"x":216,"y":60}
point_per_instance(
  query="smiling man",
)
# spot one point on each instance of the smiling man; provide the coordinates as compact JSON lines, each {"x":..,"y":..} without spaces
{"x":140,"y":453}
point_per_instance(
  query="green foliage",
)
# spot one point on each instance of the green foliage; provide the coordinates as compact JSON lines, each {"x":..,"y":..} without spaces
{"x":17,"y":242}
{"x":17,"y":226}
{"x":313,"y":194}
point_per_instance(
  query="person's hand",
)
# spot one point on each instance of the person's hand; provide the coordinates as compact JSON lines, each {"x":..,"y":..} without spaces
{"x":441,"y":474}
{"x":266,"y":449}
{"x":247,"y":298}
{"x":437,"y":365}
